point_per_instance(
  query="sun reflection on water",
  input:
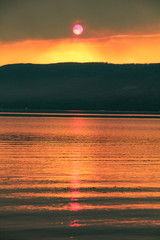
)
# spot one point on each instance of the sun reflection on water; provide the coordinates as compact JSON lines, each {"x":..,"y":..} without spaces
{"x":74,"y":204}
{"x":75,"y":184}
{"x":75,"y":194}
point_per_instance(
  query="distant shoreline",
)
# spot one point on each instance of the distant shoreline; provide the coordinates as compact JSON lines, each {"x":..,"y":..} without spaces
{"x":78,"y":113}
{"x":88,"y":86}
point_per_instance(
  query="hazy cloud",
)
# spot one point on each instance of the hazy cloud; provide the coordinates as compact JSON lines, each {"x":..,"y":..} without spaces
{"x":50,"y":19}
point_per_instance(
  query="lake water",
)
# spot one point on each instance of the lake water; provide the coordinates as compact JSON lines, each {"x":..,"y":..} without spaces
{"x":79,"y":178}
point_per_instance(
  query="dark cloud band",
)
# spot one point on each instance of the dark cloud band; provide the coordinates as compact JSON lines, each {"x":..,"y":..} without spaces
{"x":50,"y":19}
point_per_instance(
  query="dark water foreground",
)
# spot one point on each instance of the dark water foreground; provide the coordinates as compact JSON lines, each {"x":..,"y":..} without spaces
{"x":79,"y":178}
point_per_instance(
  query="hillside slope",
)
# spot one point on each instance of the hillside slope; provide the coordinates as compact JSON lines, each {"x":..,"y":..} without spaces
{"x":90,"y":86}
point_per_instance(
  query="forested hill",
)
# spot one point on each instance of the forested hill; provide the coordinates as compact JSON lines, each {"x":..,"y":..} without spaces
{"x":88,"y":86}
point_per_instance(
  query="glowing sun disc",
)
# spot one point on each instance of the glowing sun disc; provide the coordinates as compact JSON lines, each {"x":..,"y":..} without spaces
{"x":78,"y":29}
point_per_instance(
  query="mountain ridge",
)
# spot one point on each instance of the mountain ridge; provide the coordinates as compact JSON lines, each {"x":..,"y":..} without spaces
{"x":81,"y":86}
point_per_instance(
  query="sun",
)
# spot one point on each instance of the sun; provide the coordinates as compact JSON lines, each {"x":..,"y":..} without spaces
{"x":77,"y":29}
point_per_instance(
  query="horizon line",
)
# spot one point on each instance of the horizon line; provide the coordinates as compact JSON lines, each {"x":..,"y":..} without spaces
{"x":56,"y":63}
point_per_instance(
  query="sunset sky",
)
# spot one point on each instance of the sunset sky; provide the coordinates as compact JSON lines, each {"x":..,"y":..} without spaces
{"x":115,"y":31}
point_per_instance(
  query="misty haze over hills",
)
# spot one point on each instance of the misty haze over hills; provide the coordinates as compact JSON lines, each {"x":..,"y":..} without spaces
{"x":77,"y":86}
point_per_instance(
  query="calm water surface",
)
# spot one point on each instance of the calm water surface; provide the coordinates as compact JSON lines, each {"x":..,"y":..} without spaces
{"x":79,"y":178}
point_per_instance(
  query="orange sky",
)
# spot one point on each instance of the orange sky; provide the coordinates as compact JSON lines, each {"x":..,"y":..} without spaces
{"x":113,"y":49}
